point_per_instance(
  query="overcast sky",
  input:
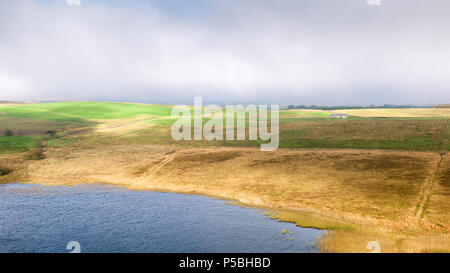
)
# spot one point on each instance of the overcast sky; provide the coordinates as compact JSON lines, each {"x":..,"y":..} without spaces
{"x":328,"y":52}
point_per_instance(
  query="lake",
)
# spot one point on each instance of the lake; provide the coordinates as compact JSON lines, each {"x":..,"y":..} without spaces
{"x":35,"y":218}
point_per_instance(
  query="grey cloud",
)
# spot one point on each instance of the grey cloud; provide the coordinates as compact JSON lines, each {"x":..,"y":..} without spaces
{"x":320,"y":52}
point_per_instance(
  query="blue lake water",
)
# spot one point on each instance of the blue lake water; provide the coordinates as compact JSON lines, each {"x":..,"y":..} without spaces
{"x":101,"y":218}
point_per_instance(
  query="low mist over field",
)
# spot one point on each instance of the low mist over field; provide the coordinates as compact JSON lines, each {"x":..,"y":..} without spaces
{"x":308,"y":52}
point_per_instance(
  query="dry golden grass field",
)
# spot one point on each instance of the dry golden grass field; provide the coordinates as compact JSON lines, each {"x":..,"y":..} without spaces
{"x":329,"y":175}
{"x":359,"y":195}
{"x":398,"y":113}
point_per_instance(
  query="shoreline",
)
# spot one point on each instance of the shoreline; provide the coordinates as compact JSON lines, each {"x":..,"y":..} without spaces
{"x":272,"y":213}
{"x":330,"y":225}
{"x":306,"y":187}
{"x":192,"y":218}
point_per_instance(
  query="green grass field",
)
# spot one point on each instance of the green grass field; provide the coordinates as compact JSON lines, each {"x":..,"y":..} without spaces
{"x":17,"y":143}
{"x":79,"y":111}
{"x":298,"y":128}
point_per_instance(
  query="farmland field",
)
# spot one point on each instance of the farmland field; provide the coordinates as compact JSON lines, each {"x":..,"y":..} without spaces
{"x":398,"y":113}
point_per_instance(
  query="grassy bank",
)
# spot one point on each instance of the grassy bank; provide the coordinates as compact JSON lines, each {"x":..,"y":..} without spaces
{"x":359,"y":193}
{"x":362,"y":178}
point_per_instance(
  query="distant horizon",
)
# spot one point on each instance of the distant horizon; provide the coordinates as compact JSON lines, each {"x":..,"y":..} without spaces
{"x":312,"y":106}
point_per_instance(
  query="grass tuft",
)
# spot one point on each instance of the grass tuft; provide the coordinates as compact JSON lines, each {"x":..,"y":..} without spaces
{"x":5,"y":170}
{"x":35,"y":154}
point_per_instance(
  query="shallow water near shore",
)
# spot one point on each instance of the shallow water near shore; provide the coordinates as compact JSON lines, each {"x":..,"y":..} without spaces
{"x":101,"y":218}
